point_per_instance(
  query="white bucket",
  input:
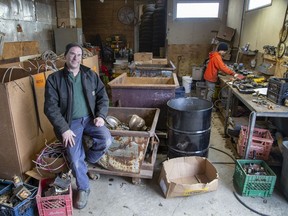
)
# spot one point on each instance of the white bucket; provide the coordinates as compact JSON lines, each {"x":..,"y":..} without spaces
{"x":187,"y":83}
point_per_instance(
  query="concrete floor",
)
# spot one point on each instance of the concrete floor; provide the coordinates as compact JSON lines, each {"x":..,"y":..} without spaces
{"x":117,"y":196}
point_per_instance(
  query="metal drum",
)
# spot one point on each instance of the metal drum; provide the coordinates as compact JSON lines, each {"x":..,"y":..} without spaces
{"x":189,"y":127}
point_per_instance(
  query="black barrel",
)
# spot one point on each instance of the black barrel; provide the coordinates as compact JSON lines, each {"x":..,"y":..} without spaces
{"x":189,"y":127}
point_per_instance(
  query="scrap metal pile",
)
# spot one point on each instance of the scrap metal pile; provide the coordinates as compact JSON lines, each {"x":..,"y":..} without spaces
{"x":136,"y":123}
{"x":16,"y":192}
{"x":248,"y":85}
{"x":60,"y":185}
{"x":254,"y":169}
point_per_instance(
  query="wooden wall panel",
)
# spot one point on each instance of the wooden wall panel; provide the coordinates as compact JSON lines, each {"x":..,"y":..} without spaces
{"x":17,"y":49}
{"x":190,"y":54}
{"x":101,"y":18}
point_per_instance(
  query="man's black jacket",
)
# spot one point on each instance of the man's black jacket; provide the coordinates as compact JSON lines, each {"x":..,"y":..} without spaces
{"x":59,"y":95}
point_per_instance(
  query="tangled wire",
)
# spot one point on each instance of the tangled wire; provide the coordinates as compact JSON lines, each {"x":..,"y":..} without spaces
{"x":54,"y":152}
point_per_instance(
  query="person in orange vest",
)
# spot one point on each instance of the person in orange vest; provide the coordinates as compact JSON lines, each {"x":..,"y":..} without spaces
{"x":216,"y":64}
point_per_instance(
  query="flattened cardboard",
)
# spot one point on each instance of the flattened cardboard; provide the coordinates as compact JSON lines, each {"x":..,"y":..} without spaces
{"x":186,"y":176}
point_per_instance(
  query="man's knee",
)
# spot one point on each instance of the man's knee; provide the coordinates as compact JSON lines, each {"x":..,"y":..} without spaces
{"x":108,"y":142}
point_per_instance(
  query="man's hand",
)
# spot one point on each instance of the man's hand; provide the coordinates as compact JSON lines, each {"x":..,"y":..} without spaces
{"x":99,"y":122}
{"x":239,"y":76}
{"x":68,"y":138}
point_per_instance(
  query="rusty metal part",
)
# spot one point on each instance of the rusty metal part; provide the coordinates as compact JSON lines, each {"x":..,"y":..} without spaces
{"x":125,"y":154}
{"x":270,"y":106}
{"x":129,"y":148}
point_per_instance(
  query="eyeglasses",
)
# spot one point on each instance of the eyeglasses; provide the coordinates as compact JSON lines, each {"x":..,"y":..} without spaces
{"x":75,"y":55}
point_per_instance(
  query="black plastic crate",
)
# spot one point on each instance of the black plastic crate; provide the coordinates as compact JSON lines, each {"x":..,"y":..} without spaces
{"x":277,"y":90}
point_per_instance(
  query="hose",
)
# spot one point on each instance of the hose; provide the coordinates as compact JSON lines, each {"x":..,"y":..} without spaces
{"x":234,"y":191}
{"x":253,"y":210}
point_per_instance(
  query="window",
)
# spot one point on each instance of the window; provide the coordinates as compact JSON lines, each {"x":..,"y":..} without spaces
{"x":254,"y":4}
{"x":197,"y":9}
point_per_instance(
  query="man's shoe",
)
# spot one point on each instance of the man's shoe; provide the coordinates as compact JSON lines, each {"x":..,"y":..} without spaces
{"x":81,"y":199}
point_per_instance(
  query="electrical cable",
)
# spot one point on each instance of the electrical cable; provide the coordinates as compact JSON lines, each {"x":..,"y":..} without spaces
{"x":245,"y":205}
{"x":53,"y":150}
{"x":86,"y":53}
{"x":220,"y":98}
{"x":7,"y":71}
{"x":234,"y":191}
{"x":32,"y":63}
{"x":49,"y":55}
{"x":223,"y":152}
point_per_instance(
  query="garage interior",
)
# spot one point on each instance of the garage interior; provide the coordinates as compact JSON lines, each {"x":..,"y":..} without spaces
{"x":162,"y":55}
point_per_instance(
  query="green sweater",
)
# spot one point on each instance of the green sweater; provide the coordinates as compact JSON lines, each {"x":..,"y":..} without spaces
{"x":80,"y":108}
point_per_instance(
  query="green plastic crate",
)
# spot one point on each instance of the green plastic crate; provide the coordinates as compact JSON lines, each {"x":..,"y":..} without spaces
{"x":253,"y":185}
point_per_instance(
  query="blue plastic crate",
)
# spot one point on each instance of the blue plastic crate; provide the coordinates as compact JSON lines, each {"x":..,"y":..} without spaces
{"x":24,"y":208}
{"x":5,"y":186}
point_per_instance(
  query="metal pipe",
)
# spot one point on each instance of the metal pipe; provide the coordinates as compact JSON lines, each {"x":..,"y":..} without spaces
{"x":75,"y":8}
{"x":251,"y":126}
{"x":227,"y":111}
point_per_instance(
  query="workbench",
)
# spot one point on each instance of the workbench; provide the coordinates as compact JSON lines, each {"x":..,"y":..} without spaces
{"x":257,"y":110}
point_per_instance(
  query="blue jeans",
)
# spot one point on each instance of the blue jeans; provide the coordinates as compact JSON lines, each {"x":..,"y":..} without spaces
{"x":101,"y":141}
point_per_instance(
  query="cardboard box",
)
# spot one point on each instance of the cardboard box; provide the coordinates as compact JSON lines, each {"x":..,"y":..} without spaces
{"x":186,"y":176}
{"x":20,"y":135}
{"x":226,"y":33}
{"x":92,"y":62}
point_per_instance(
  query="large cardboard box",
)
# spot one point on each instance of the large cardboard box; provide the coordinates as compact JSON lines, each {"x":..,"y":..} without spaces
{"x":92,"y":62}
{"x":21,"y":137}
{"x":186,"y":176}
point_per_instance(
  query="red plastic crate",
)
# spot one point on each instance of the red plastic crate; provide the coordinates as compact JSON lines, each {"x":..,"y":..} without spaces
{"x":53,"y":205}
{"x":261,"y":143}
